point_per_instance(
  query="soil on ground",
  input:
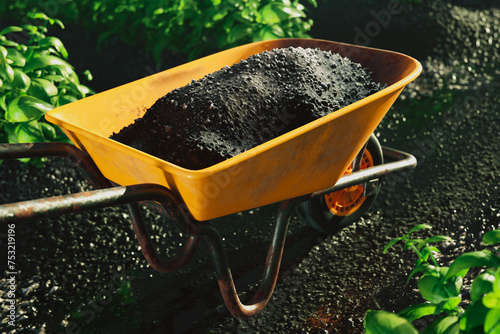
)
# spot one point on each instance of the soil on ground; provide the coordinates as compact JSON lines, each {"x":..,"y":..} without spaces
{"x":222,"y":114}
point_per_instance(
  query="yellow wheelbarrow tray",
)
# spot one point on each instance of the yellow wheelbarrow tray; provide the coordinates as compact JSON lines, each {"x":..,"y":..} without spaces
{"x":298,"y":167}
{"x":305,"y":160}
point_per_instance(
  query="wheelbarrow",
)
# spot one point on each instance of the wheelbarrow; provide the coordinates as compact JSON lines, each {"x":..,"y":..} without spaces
{"x":329,"y":169}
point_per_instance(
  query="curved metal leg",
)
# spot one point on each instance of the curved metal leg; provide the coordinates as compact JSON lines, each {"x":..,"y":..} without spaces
{"x":271,"y":271}
{"x":148,"y":250}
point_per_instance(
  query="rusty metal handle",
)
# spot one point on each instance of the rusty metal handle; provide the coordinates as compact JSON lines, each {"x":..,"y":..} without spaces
{"x":39,"y":150}
{"x":97,"y":199}
{"x":102,"y":198}
{"x":400,"y":162}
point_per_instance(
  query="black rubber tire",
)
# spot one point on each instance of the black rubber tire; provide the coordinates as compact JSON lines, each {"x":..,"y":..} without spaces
{"x":317,"y":215}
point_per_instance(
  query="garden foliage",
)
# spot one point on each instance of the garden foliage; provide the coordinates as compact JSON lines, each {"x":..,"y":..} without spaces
{"x":441,"y":287}
{"x":190,"y":27}
{"x":34,"y":78}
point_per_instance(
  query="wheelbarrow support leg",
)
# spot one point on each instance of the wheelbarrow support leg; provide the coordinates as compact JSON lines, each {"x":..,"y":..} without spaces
{"x":271,"y":271}
{"x":159,"y":264}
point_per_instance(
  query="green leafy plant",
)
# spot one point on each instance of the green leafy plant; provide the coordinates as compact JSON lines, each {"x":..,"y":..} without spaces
{"x":188,"y":27}
{"x":441,"y":287}
{"x":195,"y":27}
{"x":34,"y":78}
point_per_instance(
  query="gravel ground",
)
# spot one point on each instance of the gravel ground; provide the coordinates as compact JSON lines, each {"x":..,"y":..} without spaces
{"x":85,"y":271}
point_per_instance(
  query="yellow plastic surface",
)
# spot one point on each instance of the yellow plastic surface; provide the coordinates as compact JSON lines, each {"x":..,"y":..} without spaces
{"x":310,"y":158}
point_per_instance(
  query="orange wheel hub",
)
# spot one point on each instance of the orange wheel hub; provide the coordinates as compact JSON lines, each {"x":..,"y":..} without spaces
{"x":346,"y":201}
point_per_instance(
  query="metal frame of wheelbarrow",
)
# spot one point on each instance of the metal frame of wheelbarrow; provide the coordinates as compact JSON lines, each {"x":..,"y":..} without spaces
{"x":173,"y":207}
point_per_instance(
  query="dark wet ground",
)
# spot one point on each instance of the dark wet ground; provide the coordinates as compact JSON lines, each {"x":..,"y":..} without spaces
{"x":86,"y":270}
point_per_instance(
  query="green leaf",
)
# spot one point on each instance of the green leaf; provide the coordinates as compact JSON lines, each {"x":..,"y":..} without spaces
{"x":420,"y":227}
{"x":54,"y":77}
{"x":382,"y":322}
{"x":276,"y":12}
{"x":431,"y":289}
{"x":25,"y":132}
{"x":3,"y":52}
{"x":454,"y":285}
{"x":417,"y":311}
{"x":17,"y":57}
{"x":492,"y":322}
{"x":69,"y":73}
{"x":56,"y":44}
{"x":434,"y":249}
{"x":58,"y":22}
{"x":21,"y":80}
{"x":491,"y":300}
{"x":277,"y":31}
{"x":473,"y":317}
{"x":426,"y":252}
{"x":22,"y":47}
{"x":268,"y":33}
{"x":220,"y":14}
{"x":10,"y":29}
{"x":491,"y":237}
{"x":391,"y":243}
{"x":473,"y":259}
{"x":6,"y":71}
{"x":45,"y":61}
{"x":424,"y":267}
{"x":448,"y":325}
{"x":79,"y":90}
{"x":31,"y":29}
{"x":6,"y":42}
{"x":65,"y":99}
{"x":238,"y":32}
{"x":48,"y":130}
{"x":42,"y":89}
{"x":88,"y":75}
{"x":158,"y":11}
{"x":450,"y":304}
{"x":39,"y":16}
{"x":44,"y":17}
{"x":496,"y":283}
{"x":481,"y":285}
{"x":313,"y":2}
{"x":437,"y":238}
{"x":419,"y":243}
{"x":3,"y":100}
{"x":26,"y":108}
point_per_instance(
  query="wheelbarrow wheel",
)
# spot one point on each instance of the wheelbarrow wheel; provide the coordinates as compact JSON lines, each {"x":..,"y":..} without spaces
{"x":334,"y":211}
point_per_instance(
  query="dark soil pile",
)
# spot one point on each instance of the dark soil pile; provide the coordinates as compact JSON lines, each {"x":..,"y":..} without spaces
{"x":239,"y":107}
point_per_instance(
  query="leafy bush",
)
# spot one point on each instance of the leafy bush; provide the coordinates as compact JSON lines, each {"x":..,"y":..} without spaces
{"x":34,"y":78}
{"x":441,"y":287}
{"x":194,"y":27}
{"x":189,"y":27}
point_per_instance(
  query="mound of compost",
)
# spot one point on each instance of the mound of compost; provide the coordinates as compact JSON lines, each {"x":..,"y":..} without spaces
{"x":239,"y":107}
